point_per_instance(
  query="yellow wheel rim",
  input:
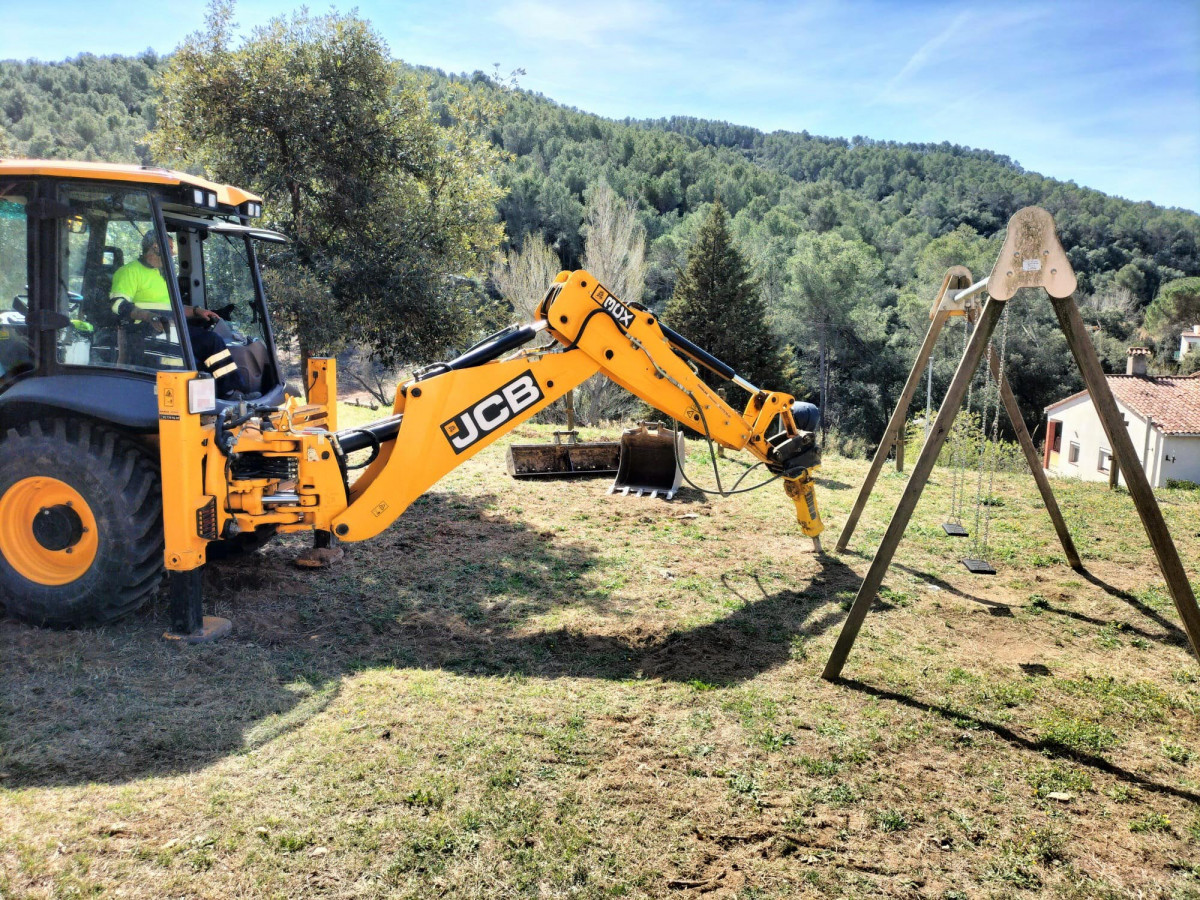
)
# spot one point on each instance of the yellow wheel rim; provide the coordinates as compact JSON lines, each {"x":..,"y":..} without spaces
{"x":47,"y":530}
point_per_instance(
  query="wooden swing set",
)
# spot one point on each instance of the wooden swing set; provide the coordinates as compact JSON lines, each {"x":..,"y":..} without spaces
{"x":1032,"y":257}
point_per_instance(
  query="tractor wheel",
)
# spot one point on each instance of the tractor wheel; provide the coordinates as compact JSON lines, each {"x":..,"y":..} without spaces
{"x":240,"y":544}
{"x":81,"y":533}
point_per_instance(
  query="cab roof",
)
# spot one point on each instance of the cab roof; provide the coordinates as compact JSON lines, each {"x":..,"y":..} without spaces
{"x":98,"y":171}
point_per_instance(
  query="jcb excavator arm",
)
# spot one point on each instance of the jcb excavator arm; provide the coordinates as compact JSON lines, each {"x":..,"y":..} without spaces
{"x":273,"y":469}
{"x":451,"y":412}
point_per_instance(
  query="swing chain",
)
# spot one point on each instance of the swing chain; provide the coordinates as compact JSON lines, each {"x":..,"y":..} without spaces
{"x":979,"y":436}
{"x":995,"y":441}
{"x":958,"y":451}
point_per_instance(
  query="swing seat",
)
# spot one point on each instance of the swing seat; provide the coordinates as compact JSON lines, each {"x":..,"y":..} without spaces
{"x":953,"y":529}
{"x":979,"y":566}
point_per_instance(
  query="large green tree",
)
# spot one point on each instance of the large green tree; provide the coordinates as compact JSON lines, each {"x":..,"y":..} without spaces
{"x":832,"y":306}
{"x":1174,"y":310}
{"x":390,"y":211}
{"x":717,"y":305}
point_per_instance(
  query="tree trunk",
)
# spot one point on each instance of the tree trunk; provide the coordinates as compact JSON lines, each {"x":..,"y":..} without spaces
{"x":823,"y":381}
{"x":569,"y":402}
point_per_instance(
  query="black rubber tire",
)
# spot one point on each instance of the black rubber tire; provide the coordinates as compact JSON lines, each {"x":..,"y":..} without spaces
{"x":240,"y":544}
{"x":120,"y":482}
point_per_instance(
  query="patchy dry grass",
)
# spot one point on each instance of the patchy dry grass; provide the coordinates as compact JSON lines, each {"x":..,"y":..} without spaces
{"x":538,"y":690}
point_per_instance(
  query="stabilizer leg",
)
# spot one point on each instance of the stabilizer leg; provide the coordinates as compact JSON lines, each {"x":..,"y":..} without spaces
{"x":188,"y":622}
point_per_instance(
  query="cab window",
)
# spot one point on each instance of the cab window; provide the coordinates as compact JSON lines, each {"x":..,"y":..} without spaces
{"x":229,"y":283}
{"x":114,"y":283}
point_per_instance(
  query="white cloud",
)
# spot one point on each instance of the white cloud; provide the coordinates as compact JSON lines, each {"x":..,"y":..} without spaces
{"x":926,"y":53}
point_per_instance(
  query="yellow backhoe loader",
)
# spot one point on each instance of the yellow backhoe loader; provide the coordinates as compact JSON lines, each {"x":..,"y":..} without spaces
{"x":119,"y":459}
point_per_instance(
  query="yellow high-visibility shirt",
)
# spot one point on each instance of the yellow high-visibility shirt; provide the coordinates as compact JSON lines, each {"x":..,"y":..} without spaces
{"x":141,"y":285}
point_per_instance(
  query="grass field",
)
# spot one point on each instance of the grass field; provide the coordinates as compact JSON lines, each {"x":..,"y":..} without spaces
{"x":536,"y":690}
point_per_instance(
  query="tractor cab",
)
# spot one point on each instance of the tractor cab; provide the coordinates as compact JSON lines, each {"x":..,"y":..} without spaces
{"x":79,"y":239}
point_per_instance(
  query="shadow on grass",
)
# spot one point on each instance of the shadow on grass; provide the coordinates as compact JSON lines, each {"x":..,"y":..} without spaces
{"x":1173,"y":634}
{"x":453,"y":585}
{"x":1170,"y":634}
{"x":830,"y":484}
{"x":995,"y":607}
{"x":754,"y":638}
{"x":1044,"y":747}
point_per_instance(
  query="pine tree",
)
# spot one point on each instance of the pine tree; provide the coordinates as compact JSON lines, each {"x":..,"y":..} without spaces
{"x":717,"y":304}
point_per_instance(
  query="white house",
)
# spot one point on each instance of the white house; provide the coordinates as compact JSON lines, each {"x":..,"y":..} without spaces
{"x":1189,"y":340}
{"x":1162,"y":414}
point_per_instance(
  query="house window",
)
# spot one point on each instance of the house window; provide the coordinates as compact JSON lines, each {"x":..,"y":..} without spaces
{"x":1073,"y":454}
{"x":1105,"y":463}
{"x":1053,"y":443}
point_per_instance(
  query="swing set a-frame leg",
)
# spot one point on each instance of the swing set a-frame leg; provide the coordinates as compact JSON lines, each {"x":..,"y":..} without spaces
{"x":1101,"y":395}
{"x":1106,"y":406}
{"x":895,"y":424}
{"x":1034,"y":461}
{"x":915,"y":487}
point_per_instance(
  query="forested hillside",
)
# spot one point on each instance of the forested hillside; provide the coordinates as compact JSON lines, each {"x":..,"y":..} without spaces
{"x":848,"y":238}
{"x":92,"y":107}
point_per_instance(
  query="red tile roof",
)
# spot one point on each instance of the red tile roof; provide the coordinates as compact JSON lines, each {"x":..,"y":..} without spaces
{"x":1173,"y":402}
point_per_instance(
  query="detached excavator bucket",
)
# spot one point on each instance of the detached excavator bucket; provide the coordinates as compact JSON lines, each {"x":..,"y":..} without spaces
{"x":651,"y":457}
{"x":567,"y":456}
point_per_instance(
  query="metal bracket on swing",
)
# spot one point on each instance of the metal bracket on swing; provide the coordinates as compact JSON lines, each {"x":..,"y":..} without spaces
{"x":958,"y":301}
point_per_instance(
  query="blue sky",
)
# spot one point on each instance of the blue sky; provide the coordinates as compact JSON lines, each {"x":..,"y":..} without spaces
{"x":1103,"y":93}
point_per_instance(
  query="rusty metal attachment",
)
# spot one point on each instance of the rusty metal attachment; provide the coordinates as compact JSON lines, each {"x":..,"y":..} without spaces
{"x":567,"y":456}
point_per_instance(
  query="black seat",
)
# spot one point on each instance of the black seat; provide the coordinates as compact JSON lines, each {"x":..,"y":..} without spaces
{"x":96,"y":308}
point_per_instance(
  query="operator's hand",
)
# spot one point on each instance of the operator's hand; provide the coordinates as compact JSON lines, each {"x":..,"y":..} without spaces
{"x":204,"y":316}
{"x":156,"y":321}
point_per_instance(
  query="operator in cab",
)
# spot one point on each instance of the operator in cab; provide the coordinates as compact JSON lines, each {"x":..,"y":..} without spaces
{"x":139,"y":295}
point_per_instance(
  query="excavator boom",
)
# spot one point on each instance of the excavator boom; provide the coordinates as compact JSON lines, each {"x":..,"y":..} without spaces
{"x":271,"y":467}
